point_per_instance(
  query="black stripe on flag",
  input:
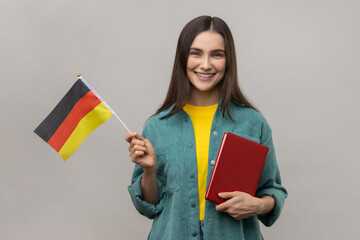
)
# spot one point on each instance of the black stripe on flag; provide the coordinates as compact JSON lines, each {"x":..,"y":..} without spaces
{"x":48,"y":127}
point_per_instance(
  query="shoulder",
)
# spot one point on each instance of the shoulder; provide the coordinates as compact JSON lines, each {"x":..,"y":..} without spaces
{"x":241,"y":112}
{"x":151,"y":124}
{"x":160,"y":129}
{"x":250,"y":117}
{"x":158,"y":119}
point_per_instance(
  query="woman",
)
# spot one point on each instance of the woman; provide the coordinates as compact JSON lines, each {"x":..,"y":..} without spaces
{"x":177,"y":150}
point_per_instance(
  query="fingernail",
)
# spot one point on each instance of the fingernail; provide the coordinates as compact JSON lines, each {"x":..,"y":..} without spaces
{"x":221,"y":194}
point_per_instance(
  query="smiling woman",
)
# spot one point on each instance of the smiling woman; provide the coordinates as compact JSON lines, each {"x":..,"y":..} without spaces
{"x":203,"y":102}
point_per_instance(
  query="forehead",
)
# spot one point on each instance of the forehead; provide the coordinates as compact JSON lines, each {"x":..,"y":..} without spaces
{"x":208,"y":40}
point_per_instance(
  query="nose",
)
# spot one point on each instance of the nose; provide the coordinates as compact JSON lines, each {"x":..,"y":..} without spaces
{"x":206,"y":64}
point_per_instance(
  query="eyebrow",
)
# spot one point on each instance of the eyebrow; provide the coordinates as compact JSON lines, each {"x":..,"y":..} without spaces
{"x":215,"y":50}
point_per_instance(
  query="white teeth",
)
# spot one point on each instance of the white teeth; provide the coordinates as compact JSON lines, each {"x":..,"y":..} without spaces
{"x":204,"y":75}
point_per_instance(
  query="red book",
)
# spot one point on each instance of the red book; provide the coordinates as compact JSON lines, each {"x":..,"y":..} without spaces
{"x":238,"y":167}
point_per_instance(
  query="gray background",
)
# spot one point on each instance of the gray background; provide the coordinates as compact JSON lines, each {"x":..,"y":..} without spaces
{"x":298,"y":62}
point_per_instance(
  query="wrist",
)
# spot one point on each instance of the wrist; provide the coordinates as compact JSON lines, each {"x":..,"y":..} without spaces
{"x":149,"y":175}
{"x":150,"y":167}
{"x":266,"y":204}
{"x":261,"y":206}
{"x":150,"y":171}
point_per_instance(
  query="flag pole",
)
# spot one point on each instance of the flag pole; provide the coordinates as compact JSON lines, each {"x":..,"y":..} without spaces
{"x":102,"y":100}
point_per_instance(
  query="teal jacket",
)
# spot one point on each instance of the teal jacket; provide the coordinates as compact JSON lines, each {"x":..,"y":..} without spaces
{"x":176,"y":216}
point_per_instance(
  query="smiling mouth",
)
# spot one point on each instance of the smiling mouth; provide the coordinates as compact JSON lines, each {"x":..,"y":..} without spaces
{"x":205,"y":75}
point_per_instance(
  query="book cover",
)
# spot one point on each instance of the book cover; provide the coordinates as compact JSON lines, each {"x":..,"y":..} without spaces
{"x":238,"y":167}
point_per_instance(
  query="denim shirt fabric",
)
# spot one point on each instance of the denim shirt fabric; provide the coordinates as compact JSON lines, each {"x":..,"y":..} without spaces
{"x":176,"y":216}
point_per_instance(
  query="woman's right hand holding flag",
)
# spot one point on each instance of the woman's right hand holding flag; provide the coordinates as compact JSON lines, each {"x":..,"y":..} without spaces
{"x":142,"y":152}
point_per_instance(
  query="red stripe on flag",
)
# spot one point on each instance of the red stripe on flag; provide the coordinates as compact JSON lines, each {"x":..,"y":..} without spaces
{"x":85,"y":105}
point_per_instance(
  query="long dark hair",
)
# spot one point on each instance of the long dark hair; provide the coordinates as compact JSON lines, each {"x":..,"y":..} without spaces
{"x":179,"y":89}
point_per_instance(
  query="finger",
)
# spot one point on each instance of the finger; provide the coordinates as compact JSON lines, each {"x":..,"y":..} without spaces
{"x":222,"y":207}
{"x":136,"y":156}
{"x":138,"y":148}
{"x":225,"y":195}
{"x":137,"y":145}
{"x":130,"y":136}
{"x":134,"y":141}
{"x":137,"y":136}
{"x":136,"y":153}
{"x":137,"y":142}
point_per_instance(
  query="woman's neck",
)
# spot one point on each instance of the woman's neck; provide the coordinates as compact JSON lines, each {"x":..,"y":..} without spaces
{"x":199,"y":98}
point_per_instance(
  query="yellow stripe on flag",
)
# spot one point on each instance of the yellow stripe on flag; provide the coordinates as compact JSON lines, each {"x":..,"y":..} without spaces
{"x":87,"y":124}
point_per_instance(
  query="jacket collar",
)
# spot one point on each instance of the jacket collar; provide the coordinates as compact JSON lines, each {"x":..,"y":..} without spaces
{"x":239,"y":103}
{"x":166,"y":112}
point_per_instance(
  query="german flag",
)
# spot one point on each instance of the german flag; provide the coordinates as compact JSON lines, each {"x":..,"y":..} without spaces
{"x":78,"y":113}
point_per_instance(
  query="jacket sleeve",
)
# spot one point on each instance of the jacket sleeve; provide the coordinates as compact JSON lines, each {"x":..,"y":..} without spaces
{"x":143,"y":207}
{"x":270,"y":180}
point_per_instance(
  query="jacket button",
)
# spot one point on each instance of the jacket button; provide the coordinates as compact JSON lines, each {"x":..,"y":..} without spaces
{"x":212,"y":162}
{"x":194,"y":234}
{"x":192,"y":175}
{"x":215,"y":133}
{"x":193,"y":204}
{"x":189,"y":145}
{"x":210,"y":220}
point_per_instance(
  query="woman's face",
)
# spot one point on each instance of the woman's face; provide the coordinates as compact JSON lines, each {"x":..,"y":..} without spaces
{"x":206,"y":62}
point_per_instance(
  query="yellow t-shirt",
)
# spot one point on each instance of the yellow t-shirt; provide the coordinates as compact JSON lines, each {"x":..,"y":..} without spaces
{"x":201,"y":118}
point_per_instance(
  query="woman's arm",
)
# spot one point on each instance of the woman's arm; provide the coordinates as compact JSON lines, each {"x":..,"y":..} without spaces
{"x":143,"y":153}
{"x":149,"y":187}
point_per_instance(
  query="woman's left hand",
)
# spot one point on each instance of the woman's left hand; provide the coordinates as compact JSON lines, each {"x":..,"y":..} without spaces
{"x":240,"y":205}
